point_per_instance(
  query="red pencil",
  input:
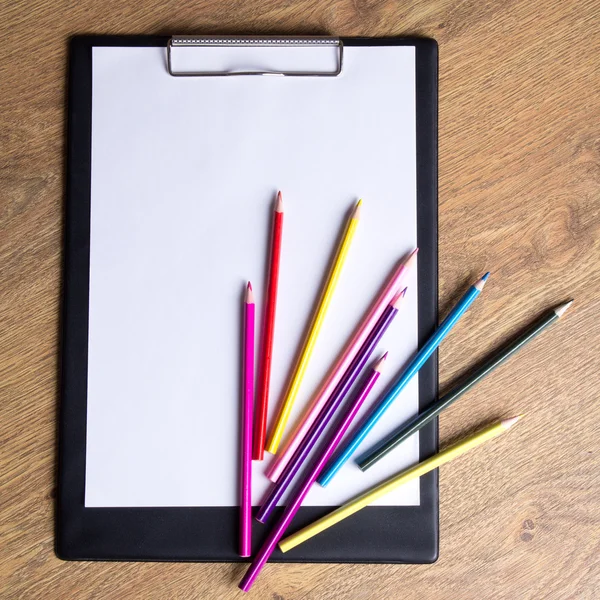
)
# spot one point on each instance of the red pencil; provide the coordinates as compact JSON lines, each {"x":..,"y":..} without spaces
{"x":264,"y":376}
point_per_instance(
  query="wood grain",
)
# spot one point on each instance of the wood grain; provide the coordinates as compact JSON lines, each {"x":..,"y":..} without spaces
{"x":519,"y":195}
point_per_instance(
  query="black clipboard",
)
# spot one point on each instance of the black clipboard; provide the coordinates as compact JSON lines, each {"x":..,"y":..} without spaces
{"x":374,"y":535}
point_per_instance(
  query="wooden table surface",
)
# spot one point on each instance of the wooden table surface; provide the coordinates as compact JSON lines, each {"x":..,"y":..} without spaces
{"x":519,"y":195}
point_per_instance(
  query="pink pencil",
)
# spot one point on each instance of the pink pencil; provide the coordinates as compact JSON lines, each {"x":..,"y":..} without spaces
{"x":335,"y":374}
{"x":324,"y":453}
{"x":247,"y":402}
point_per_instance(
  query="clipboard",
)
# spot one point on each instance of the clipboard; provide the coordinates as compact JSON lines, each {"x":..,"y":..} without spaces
{"x":379,"y":534}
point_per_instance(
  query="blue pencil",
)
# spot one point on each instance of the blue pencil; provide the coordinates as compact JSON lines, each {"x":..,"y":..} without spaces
{"x":349,"y":447}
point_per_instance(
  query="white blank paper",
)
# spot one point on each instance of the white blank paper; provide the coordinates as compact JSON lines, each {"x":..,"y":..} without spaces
{"x":184,"y":175}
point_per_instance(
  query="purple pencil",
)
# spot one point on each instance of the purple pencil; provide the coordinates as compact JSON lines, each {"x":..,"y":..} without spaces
{"x":334,"y":401}
{"x":247,"y":402}
{"x":304,"y":486}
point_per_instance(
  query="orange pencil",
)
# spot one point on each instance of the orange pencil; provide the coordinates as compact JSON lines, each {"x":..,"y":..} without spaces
{"x":264,"y":375}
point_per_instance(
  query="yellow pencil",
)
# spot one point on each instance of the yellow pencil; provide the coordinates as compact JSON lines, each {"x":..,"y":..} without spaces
{"x":294,"y":386}
{"x":394,"y":482}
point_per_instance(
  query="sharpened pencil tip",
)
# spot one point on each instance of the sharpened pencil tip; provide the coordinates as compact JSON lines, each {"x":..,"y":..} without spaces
{"x":396,"y":301}
{"x":379,"y":364}
{"x":357,"y":210}
{"x":279,"y":203}
{"x":249,"y":294}
{"x":562,"y":309}
{"x":508,"y":423}
{"x":412,"y":258}
{"x":481,"y":283}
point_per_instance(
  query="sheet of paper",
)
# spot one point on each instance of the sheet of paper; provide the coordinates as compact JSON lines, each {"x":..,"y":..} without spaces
{"x":184,"y":175}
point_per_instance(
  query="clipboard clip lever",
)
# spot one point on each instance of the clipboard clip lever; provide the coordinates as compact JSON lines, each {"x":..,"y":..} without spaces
{"x":325,"y":59}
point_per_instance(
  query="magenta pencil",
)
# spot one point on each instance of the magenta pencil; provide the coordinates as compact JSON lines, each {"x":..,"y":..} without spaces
{"x":247,"y":406}
{"x":319,"y":462}
{"x":391,"y":288}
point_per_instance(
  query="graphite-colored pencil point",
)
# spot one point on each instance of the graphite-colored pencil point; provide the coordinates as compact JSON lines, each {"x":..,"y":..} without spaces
{"x":279,"y":203}
{"x":560,"y":310}
{"x":249,"y":294}
{"x":357,"y":210}
{"x":379,"y":364}
{"x":479,"y":285}
{"x":508,"y":423}
{"x":398,"y":298}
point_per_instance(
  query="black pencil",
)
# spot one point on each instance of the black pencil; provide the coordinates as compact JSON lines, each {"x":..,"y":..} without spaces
{"x":394,"y":439}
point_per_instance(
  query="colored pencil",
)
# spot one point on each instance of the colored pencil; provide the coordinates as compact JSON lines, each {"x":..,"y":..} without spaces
{"x":300,"y":492}
{"x":315,"y":328}
{"x":492,"y":362}
{"x":389,"y":290}
{"x":264,"y":376}
{"x":335,"y":400}
{"x":391,"y":484}
{"x":247,"y":401}
{"x":405,"y":376}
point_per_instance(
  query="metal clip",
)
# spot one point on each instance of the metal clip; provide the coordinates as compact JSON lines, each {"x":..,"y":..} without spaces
{"x":247,"y":41}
